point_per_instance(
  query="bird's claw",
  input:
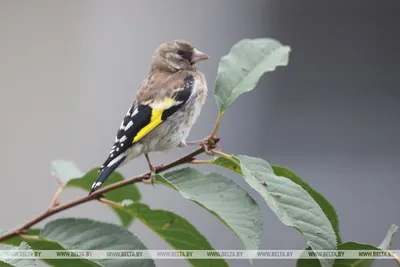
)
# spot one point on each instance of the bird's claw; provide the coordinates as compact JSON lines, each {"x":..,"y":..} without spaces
{"x":182,"y":144}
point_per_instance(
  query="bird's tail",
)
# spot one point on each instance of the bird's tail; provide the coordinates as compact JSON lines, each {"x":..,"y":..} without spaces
{"x":104,"y":174}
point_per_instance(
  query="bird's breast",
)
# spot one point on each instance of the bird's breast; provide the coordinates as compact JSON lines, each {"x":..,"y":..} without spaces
{"x":177,"y":127}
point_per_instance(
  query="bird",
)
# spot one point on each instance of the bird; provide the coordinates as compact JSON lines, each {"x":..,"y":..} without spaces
{"x":164,"y":109}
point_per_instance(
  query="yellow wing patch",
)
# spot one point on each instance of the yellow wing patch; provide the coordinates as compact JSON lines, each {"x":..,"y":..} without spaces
{"x":157,"y":111}
{"x":154,"y":122}
{"x":164,"y":104}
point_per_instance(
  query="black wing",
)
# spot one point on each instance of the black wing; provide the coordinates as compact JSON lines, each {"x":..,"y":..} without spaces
{"x":138,"y":118}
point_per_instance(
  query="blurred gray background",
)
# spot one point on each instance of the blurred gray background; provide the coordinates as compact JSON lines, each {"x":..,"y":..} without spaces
{"x":69,"y":69}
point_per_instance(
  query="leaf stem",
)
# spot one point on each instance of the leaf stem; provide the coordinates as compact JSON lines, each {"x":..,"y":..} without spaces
{"x":223,"y":155}
{"x":110,"y":202}
{"x":60,"y":182}
{"x":199,"y":162}
{"x":217,"y":123}
{"x":395,"y":257}
{"x":54,"y":201}
{"x":30,"y":237}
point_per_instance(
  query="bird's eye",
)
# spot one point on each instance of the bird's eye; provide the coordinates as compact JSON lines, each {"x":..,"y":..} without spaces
{"x":180,"y":52}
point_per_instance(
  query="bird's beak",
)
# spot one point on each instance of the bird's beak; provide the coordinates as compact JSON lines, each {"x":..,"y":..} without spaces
{"x":199,"y":56}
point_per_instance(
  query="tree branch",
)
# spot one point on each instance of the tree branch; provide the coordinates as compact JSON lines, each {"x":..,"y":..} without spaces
{"x":98,"y":194}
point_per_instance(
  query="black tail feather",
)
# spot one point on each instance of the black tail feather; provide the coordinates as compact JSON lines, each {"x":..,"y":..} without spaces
{"x":104,"y":174}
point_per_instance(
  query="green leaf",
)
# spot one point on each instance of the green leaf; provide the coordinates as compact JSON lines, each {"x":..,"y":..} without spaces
{"x":176,"y":231}
{"x":40,"y":243}
{"x":84,"y":234}
{"x":301,"y":262}
{"x":125,"y":193}
{"x":3,"y":264}
{"x":291,"y":203}
{"x":341,"y":262}
{"x":326,"y":207}
{"x":228,"y":164}
{"x":385,"y":245}
{"x":223,"y":198}
{"x":354,"y":262}
{"x":242,"y":68}
{"x":65,"y":170}
{"x":71,"y":176}
{"x":17,"y":262}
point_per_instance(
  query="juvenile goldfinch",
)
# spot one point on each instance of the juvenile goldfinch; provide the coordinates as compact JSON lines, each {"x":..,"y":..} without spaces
{"x":164,"y":109}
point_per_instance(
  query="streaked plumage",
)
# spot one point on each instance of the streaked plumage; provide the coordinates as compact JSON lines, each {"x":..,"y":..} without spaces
{"x":164,"y":109}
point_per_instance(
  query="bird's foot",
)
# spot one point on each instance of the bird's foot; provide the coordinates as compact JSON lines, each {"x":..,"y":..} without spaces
{"x":183,"y":144}
{"x":150,"y":178}
{"x":155,"y":169}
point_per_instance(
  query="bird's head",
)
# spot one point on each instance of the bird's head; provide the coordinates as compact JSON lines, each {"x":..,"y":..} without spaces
{"x":177,"y":55}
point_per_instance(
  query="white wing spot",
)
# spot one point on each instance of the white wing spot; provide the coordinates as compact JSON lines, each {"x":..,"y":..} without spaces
{"x":135,"y":112}
{"x":116,"y":160}
{"x":112,"y":155}
{"x":123,"y":139}
{"x":96,"y":184}
{"x":178,"y":103}
{"x":117,"y":149}
{"x":129,"y":125}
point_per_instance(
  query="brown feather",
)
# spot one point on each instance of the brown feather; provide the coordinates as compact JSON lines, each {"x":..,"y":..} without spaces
{"x":172,"y":70}
{"x":163,"y":84}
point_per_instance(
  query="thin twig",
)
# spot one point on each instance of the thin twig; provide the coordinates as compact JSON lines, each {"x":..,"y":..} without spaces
{"x":54,"y":201}
{"x":98,"y":194}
